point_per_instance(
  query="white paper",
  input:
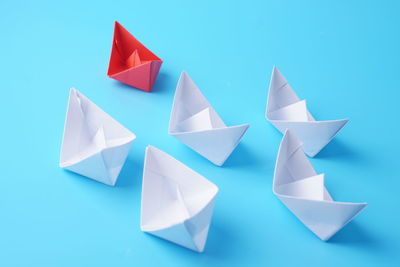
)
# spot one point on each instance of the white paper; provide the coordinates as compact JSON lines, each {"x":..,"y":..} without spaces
{"x":94,"y":144}
{"x":177,"y":202}
{"x":195,"y":123}
{"x":286,"y":111}
{"x":302,"y":190}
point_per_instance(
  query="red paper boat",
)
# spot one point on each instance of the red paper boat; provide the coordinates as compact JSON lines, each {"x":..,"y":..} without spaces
{"x":131,"y":62}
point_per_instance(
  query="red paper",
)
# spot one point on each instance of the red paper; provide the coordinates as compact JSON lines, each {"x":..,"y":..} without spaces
{"x":131,"y":62}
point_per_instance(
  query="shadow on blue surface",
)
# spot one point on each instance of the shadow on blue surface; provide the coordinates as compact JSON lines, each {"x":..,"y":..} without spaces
{"x":355,"y":235}
{"x":338,"y":149}
{"x":86,"y":182}
{"x":220,"y":240}
{"x":131,"y":173}
{"x":243,"y":156}
{"x":162,"y":82}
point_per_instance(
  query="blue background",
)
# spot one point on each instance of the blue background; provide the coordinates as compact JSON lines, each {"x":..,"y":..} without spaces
{"x":343,"y":57}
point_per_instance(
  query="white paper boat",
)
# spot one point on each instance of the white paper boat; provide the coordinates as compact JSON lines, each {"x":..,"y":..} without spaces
{"x":196,"y":124}
{"x":177,"y":202}
{"x":286,"y":111}
{"x":302,"y":190}
{"x":94,"y":144}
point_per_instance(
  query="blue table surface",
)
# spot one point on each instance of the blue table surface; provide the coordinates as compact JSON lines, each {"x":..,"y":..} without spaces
{"x":341,"y":56}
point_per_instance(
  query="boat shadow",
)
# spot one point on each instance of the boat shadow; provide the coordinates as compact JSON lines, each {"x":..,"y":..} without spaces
{"x":356,"y":236}
{"x":338,"y":149}
{"x":131,"y":173}
{"x":244,"y":156}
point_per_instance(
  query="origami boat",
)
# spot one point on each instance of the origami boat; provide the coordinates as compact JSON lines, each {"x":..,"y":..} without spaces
{"x":177,"y":202}
{"x":195,"y":123}
{"x":94,"y":144}
{"x":303,"y":192}
{"x":131,"y":62}
{"x":286,"y":111}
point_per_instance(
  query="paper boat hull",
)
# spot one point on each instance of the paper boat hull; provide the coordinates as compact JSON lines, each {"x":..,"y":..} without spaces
{"x":191,"y":233}
{"x":141,"y":77}
{"x":103,"y":166}
{"x":314,"y":135}
{"x":177,"y":202}
{"x":216,"y":145}
{"x":323,"y":218}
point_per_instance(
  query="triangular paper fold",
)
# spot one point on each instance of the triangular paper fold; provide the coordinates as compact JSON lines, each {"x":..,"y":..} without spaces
{"x":311,"y":188}
{"x":303,"y":192}
{"x":196,"y":124}
{"x":94,"y":144}
{"x":134,"y":59}
{"x":177,"y":202}
{"x":285,"y":110}
{"x":131,"y":62}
